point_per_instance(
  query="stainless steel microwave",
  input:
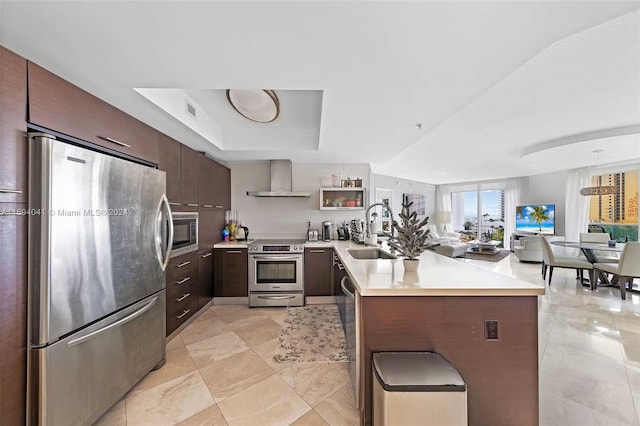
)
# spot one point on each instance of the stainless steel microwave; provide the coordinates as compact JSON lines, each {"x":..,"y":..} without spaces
{"x":185,"y":233}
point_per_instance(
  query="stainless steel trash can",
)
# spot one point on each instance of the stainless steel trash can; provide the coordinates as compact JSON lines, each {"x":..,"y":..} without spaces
{"x":417,"y":388}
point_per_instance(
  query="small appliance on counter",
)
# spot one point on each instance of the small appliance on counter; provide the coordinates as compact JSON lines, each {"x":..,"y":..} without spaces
{"x":343,"y":233}
{"x":242,"y":233}
{"x":312,"y":235}
{"x":326,"y":231}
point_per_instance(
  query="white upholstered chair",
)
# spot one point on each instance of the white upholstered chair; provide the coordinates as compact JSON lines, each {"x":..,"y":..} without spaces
{"x":550,"y":260}
{"x":626,"y":269}
{"x":529,"y":249}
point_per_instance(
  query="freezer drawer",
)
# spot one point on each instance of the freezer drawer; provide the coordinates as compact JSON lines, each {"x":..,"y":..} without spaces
{"x":75,"y":380}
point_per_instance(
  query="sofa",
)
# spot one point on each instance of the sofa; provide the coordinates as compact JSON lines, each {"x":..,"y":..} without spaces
{"x":451,"y":249}
{"x":529,"y":249}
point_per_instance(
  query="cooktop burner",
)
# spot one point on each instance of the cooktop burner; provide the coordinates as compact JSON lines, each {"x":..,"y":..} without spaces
{"x":277,"y":246}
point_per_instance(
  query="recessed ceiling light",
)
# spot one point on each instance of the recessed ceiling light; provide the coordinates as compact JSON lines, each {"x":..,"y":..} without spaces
{"x":261,"y":106}
{"x":419,"y":126}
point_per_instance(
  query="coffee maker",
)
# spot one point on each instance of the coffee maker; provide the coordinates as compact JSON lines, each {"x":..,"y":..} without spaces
{"x":326,"y":231}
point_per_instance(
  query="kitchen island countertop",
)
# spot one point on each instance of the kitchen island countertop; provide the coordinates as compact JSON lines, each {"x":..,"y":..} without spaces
{"x":437,"y":275}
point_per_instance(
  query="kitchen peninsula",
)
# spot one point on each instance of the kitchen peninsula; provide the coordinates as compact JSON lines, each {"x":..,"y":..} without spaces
{"x":443,"y":308}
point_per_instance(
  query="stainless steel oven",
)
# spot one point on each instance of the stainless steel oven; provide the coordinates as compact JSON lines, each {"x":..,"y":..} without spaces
{"x":185,"y":233}
{"x":276,"y":273}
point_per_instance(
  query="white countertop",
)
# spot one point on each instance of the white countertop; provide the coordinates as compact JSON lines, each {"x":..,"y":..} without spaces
{"x":437,"y":275}
{"x":233,"y":244}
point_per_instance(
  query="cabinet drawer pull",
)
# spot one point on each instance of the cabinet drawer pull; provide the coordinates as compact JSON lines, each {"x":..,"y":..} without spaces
{"x":174,"y":204}
{"x":185,"y":312}
{"x":209,"y":206}
{"x":340,"y":266}
{"x":184,"y":296}
{"x":115,"y":141}
{"x":10,"y":191}
{"x":206,"y":255}
{"x":182,"y":281}
{"x":234,"y":251}
{"x":180,"y":265}
{"x":191,"y":205}
{"x":218,"y":207}
{"x":316,"y":251}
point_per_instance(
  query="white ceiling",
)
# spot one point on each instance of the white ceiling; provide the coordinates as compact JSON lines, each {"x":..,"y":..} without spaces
{"x":494,"y":84}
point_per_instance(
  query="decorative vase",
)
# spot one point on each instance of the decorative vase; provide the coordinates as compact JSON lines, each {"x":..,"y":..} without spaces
{"x":410,"y":265}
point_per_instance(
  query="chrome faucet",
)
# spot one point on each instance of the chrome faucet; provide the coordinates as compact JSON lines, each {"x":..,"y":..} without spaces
{"x":368,"y":225}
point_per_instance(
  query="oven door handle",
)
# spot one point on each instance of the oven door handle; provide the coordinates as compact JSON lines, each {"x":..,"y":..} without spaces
{"x":276,"y":257}
{"x":276,"y":297}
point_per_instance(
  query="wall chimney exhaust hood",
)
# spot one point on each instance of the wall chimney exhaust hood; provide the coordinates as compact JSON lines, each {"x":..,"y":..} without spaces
{"x":280,"y":182}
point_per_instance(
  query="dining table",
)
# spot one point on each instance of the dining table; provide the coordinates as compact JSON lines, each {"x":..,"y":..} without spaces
{"x":590,"y":252}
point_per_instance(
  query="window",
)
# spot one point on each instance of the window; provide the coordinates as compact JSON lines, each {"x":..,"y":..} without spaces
{"x":617,"y":214}
{"x":479,"y":214}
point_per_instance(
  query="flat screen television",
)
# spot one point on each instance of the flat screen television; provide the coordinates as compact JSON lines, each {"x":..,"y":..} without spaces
{"x":536,"y":219}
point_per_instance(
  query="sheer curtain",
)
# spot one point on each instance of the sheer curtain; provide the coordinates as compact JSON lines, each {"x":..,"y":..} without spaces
{"x":577,"y":206}
{"x":512,"y":191}
{"x":443,"y":200}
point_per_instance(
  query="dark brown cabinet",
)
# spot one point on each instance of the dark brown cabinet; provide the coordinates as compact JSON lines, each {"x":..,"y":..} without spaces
{"x":13,"y":127}
{"x":205,"y":278}
{"x":230,"y":272}
{"x":206,"y":184}
{"x":182,"y":287}
{"x":222,"y":186}
{"x":169,"y":160}
{"x":190,"y":166}
{"x":317,"y":271}
{"x":13,"y":314}
{"x":210,"y":226}
{"x":58,"y":105}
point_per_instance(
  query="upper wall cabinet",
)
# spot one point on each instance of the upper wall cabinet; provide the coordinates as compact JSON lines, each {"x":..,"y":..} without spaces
{"x":342,"y":198}
{"x":13,"y":127}
{"x":205,"y":182}
{"x":222,"y":186}
{"x":58,"y":105}
{"x":170,"y":161}
{"x":190,"y":169}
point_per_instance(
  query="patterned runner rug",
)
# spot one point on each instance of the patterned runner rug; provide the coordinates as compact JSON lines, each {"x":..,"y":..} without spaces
{"x":311,"y":333}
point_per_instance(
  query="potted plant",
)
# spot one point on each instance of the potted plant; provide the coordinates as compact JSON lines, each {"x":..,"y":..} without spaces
{"x":413,"y":237}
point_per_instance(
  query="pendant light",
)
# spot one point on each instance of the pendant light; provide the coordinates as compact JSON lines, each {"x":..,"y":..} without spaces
{"x":598,"y":190}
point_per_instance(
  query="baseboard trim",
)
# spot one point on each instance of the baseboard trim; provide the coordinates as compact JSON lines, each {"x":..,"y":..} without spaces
{"x":230,"y":300}
{"x":319,"y":300}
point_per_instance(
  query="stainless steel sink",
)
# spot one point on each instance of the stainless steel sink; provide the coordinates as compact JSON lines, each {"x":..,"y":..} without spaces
{"x":370,"y":253}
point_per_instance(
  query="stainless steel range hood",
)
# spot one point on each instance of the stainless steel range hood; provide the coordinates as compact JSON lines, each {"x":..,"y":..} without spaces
{"x":280,"y":182}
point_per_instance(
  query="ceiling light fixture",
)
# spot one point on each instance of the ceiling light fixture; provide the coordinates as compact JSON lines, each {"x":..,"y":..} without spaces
{"x":598,"y":190}
{"x":261,"y":106}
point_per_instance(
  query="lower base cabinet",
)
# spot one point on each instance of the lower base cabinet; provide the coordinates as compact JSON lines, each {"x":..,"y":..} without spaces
{"x":317,"y":272}
{"x":182,"y":286}
{"x":230,"y":272}
{"x":205,"y":278}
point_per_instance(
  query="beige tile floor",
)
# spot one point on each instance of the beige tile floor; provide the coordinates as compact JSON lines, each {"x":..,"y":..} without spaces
{"x":220,"y":369}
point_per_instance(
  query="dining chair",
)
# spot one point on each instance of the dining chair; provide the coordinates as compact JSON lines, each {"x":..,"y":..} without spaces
{"x":550,"y":260}
{"x":626,"y":269}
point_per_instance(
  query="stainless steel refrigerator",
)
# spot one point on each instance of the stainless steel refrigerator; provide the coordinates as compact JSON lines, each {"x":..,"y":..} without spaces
{"x":99,"y":242}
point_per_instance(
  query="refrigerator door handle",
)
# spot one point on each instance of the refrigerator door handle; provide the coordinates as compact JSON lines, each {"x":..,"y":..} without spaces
{"x":164,"y":202}
{"x":118,"y":323}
